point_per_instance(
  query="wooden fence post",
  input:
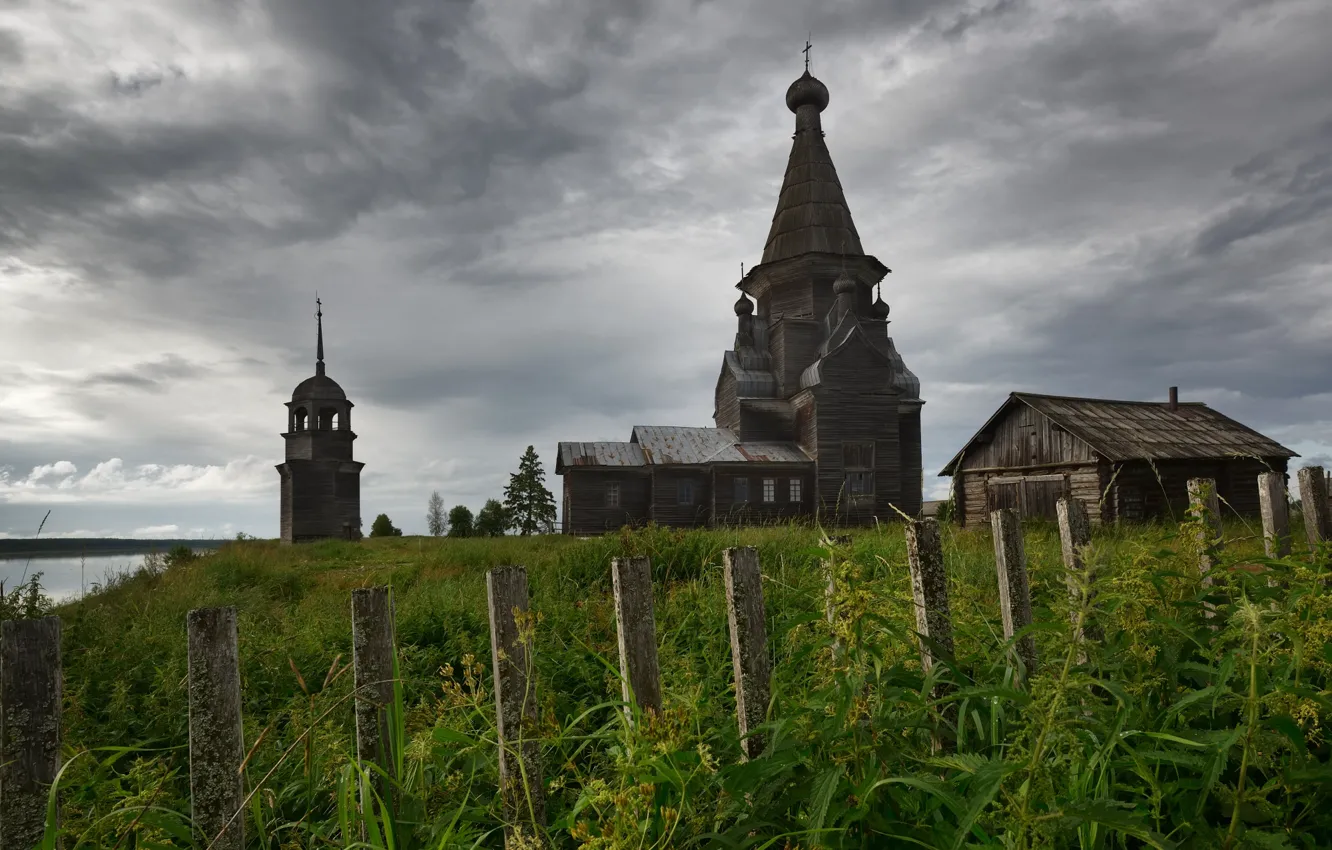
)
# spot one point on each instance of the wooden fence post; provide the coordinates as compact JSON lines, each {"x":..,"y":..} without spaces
{"x":1206,"y":510}
{"x":1313,"y":500}
{"x":929,"y":589}
{"x":30,"y":700}
{"x":929,"y":593}
{"x":511,"y":630}
{"x":1276,"y":514}
{"x":1074,"y":537}
{"x":217,"y":744}
{"x":1010,"y":559}
{"x":749,"y":645}
{"x":372,"y":660}
{"x":636,"y":626}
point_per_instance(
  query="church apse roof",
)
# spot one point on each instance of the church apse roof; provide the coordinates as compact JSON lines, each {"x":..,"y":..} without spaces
{"x":691,"y":446}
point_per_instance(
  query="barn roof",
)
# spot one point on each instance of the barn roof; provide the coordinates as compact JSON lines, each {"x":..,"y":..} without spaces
{"x":812,"y":214}
{"x":1141,"y":430}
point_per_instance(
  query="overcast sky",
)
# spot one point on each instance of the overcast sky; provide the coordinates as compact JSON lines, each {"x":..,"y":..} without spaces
{"x":526,"y":221}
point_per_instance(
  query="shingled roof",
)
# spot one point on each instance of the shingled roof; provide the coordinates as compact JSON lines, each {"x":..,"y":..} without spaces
{"x":1142,"y":430}
{"x":812,"y":214}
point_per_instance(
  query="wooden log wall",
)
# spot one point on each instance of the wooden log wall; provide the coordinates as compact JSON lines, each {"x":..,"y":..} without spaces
{"x":585,"y":491}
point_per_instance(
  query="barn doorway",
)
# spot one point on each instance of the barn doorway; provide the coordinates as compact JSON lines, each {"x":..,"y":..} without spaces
{"x":1033,"y":496}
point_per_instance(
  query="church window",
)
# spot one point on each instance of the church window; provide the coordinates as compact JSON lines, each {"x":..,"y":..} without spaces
{"x":684,"y":492}
{"x":300,"y":418}
{"x":328,"y":418}
{"x":741,"y":490}
{"x":795,"y":490}
{"x":770,"y":489}
{"x":858,"y":466}
{"x":613,"y":495}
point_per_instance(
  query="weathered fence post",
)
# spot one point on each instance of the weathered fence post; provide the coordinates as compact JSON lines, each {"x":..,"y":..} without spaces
{"x":372,"y":660}
{"x":1010,"y":560}
{"x":636,"y":626}
{"x":30,"y":699}
{"x":217,"y":745}
{"x":1313,"y":500}
{"x":929,"y":592}
{"x":511,"y":629}
{"x":1276,"y":514}
{"x":749,"y":644}
{"x":1074,"y":537}
{"x":1206,"y":511}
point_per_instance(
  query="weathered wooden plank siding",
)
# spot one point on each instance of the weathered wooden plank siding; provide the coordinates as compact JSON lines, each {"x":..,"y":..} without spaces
{"x":1160,"y":490}
{"x":1024,"y":437}
{"x":586,"y":492}
{"x":765,"y":419}
{"x":794,"y":345}
{"x":912,"y":472}
{"x":728,"y":404}
{"x":859,"y":409}
{"x":1083,"y":483}
{"x":806,"y":422}
{"x":666,"y":509}
{"x":728,"y":511}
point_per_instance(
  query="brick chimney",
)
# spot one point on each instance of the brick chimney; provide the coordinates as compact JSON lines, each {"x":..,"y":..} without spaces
{"x":1173,"y":404}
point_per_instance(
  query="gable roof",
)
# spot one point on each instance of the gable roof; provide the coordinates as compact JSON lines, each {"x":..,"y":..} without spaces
{"x":1140,"y":430}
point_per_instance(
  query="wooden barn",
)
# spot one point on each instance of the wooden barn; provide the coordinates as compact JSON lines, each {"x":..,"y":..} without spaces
{"x":1125,"y":460}
{"x":815,"y":411}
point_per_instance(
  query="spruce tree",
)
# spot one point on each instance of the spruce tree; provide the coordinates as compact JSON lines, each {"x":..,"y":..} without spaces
{"x":435,"y":521}
{"x":529,"y":505}
{"x":383,"y":527}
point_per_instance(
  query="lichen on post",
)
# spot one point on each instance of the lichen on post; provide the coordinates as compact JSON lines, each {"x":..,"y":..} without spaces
{"x":1010,"y":559}
{"x":372,"y":660}
{"x":1275,"y":510}
{"x":1313,"y":501}
{"x":749,"y":645}
{"x":1205,"y":508}
{"x":636,"y":627}
{"x":511,"y":632}
{"x":217,"y":745}
{"x":30,"y":700}
{"x":1074,"y":538}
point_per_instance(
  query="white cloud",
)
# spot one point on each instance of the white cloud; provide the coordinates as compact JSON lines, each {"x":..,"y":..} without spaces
{"x":112,"y":482}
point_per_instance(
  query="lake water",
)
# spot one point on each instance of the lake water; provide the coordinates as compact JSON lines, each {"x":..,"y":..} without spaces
{"x":65,"y":577}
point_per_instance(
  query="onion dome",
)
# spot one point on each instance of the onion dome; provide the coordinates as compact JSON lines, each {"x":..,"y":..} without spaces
{"x":844,"y":285}
{"x":880,"y":308}
{"x":744,"y":307}
{"x":807,"y":91}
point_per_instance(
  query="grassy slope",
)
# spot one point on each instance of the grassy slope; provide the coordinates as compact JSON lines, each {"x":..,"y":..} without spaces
{"x":125,"y":651}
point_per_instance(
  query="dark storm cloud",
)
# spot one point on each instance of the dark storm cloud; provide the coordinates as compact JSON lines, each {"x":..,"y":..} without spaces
{"x":1092,"y":199}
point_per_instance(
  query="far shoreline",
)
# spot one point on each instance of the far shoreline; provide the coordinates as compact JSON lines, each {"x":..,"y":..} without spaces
{"x":64,"y":547}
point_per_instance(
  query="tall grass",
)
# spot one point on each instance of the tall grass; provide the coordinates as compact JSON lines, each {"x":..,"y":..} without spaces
{"x":1176,"y":730}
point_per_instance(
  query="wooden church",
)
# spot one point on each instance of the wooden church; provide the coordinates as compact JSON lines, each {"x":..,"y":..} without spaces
{"x":816,"y":413}
{"x":321,"y":483}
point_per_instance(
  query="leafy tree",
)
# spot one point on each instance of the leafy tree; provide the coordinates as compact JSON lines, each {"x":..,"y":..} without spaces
{"x":493,"y":520}
{"x":460,"y":522}
{"x":529,"y":505}
{"x":435,"y":521}
{"x":383,"y":527}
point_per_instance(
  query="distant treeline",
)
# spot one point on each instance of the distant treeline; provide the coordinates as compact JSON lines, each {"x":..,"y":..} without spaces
{"x":66,"y":546}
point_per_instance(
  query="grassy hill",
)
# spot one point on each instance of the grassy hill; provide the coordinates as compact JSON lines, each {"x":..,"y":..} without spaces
{"x":1174,"y":733}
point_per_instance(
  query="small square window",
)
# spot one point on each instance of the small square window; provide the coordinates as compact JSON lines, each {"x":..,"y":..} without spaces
{"x":795,"y":494}
{"x":613,"y":495}
{"x":741,"y":490}
{"x":770,"y":489}
{"x":860,"y":486}
{"x":684,"y":492}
